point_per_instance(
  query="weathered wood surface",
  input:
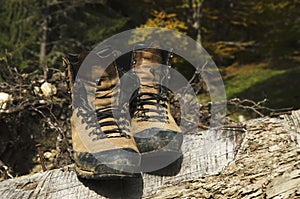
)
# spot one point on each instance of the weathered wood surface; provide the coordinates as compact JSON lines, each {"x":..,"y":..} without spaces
{"x":266,"y":165}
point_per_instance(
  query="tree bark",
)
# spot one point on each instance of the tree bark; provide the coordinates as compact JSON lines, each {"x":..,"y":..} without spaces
{"x":43,"y":42}
{"x":194,"y":18}
{"x":261,"y":162}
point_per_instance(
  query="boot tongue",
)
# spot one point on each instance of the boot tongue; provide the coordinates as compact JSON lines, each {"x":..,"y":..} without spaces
{"x":148,"y":56}
{"x":107,"y":77}
{"x":149,"y":74}
{"x":148,"y":65}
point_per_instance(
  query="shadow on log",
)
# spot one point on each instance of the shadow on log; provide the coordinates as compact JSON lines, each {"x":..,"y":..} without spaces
{"x":124,"y":188}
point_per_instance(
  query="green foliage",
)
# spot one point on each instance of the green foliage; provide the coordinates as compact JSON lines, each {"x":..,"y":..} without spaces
{"x":164,"y":20}
{"x":273,"y":25}
{"x":257,"y":82}
{"x":248,"y":76}
{"x":71,"y":27}
{"x":277,"y":28}
{"x":74,"y":26}
{"x":18,"y":34}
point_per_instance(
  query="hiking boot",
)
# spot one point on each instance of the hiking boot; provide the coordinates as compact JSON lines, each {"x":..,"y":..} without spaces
{"x":155,"y":131}
{"x":102,"y":149}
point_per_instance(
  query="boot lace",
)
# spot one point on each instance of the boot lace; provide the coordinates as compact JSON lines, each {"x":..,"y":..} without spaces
{"x":104,"y":117}
{"x":156,"y":102}
{"x":150,"y":106}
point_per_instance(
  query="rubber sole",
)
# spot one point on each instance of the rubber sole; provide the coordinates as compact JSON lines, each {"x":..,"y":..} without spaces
{"x":159,"y":148}
{"x":117,"y":163}
{"x":105,"y":174}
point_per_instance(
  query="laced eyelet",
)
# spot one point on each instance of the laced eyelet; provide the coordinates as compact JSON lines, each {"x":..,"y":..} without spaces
{"x":152,"y":71}
{"x":157,"y":108}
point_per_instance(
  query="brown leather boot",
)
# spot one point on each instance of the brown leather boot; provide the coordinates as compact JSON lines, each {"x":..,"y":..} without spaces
{"x":72,"y":64}
{"x":102,"y":149}
{"x":155,"y":131}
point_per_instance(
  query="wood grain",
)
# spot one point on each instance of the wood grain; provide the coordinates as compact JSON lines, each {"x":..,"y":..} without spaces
{"x":205,"y":154}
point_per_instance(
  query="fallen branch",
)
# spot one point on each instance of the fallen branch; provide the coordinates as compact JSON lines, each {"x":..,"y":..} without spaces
{"x":256,"y":107}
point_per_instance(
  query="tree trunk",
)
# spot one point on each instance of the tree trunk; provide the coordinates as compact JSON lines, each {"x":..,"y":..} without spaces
{"x":216,"y":164}
{"x":194,"y":18}
{"x":43,"y":41}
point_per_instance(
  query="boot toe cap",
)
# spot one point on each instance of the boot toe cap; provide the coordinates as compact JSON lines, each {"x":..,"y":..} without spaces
{"x":158,"y":139}
{"x":109,"y":163}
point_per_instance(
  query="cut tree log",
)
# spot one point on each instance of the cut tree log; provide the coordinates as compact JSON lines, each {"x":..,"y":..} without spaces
{"x":262,"y":161}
